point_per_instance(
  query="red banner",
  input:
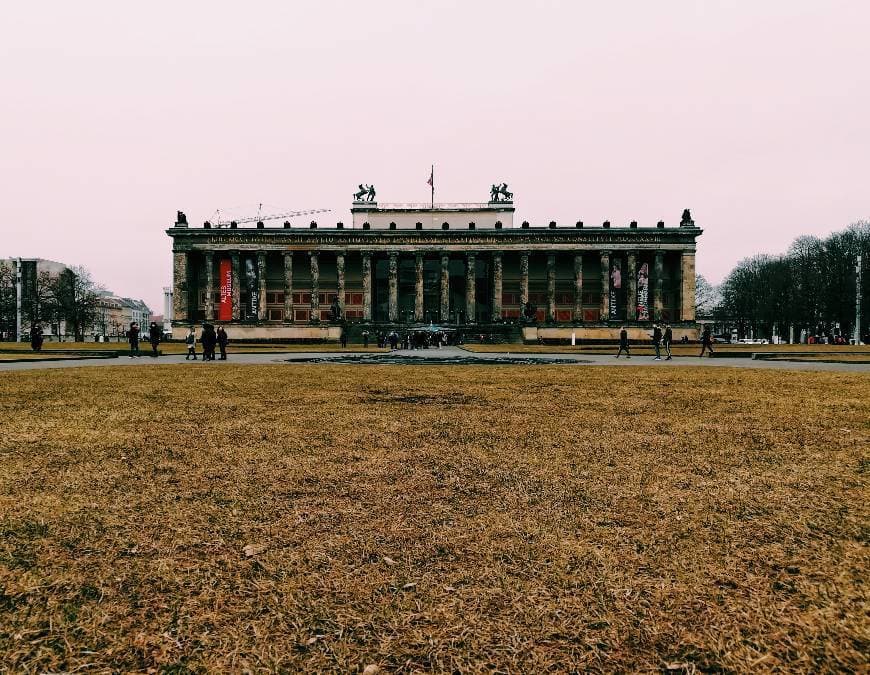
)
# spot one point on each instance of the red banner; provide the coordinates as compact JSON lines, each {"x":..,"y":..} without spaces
{"x":225,"y":309}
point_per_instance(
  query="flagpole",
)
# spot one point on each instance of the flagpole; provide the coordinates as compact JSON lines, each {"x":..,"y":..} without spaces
{"x":432,"y":174}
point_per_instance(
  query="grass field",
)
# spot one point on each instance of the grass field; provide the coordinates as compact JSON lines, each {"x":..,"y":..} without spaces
{"x":845,"y":353}
{"x":470,"y":519}
{"x":180,"y":348}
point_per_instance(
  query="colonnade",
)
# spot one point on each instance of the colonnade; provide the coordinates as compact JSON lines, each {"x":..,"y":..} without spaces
{"x":687,"y":285}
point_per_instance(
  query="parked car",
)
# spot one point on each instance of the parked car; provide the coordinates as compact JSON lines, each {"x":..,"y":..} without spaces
{"x":752,"y":341}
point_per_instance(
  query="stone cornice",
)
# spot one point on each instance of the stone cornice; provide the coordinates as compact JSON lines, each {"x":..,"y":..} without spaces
{"x":682,"y":238}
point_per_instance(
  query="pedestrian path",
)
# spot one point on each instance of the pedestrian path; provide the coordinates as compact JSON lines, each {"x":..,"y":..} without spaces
{"x":445,"y":356}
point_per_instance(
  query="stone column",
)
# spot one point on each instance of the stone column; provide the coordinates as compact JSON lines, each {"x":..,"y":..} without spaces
{"x":551,"y":287}
{"x":657,"y":288}
{"x":261,"y":290}
{"x":470,"y":281}
{"x":209,"y":286}
{"x":339,"y":286}
{"x":496,"y":285}
{"x":288,"y":286}
{"x":687,"y":286}
{"x":237,"y":291}
{"x":605,"y":286}
{"x":578,"y":287}
{"x":367,"y":286}
{"x":631,"y":290}
{"x":524,"y":281}
{"x":180,"y":287}
{"x":315,"y":287}
{"x":418,"y":287}
{"x":445,"y":287}
{"x":393,"y":308}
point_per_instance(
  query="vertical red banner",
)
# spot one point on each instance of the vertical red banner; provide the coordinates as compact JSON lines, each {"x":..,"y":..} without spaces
{"x":225,"y":309}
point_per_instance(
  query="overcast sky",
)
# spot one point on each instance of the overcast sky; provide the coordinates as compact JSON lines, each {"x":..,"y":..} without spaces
{"x":756,"y":115}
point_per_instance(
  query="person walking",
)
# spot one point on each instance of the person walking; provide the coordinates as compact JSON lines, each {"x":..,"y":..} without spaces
{"x":133,"y":338}
{"x":623,"y":343}
{"x":190,"y":341}
{"x":154,"y":338}
{"x":657,"y":341}
{"x":365,"y":337}
{"x":36,"y":338}
{"x":666,"y":341}
{"x":344,"y":338}
{"x":222,"y":340}
{"x":706,"y":341}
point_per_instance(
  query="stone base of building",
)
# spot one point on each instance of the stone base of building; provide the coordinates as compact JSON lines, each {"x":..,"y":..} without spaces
{"x":535,"y":334}
{"x":279,"y":332}
{"x":493,"y":332}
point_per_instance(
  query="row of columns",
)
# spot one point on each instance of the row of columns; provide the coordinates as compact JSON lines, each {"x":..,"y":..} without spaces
{"x":687,"y":289}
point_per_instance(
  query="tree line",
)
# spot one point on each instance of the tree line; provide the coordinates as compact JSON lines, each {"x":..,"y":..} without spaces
{"x":810,"y":288}
{"x":70,"y":297}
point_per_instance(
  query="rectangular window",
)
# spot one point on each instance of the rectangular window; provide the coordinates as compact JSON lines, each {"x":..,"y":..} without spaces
{"x":563,"y":315}
{"x":276,"y":315}
{"x":591,"y":298}
{"x":300,"y":315}
{"x":590,"y":315}
{"x":510,"y":313}
{"x":324,"y":315}
{"x":297,"y":299}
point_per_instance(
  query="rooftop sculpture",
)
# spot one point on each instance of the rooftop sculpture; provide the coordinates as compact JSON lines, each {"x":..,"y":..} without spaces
{"x":497,"y":191}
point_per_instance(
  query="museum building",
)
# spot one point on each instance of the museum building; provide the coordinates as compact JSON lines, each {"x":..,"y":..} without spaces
{"x":466,"y":266}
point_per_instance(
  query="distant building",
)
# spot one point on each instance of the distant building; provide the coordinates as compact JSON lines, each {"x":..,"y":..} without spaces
{"x":117,"y":313}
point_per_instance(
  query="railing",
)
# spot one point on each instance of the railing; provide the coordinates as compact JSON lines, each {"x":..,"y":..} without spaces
{"x":438,"y":205}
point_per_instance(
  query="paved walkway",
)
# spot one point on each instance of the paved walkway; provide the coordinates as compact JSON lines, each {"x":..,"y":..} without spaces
{"x":446,"y":355}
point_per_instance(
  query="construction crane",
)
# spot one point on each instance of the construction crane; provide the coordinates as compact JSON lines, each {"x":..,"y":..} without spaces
{"x":259,"y":219}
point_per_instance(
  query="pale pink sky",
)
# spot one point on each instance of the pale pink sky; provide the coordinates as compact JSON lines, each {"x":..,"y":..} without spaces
{"x":756,"y":115}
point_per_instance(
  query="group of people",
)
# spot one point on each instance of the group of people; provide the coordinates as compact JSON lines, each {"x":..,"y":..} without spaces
{"x":155,"y":335}
{"x":663,"y":339}
{"x":210,"y":338}
{"x":412,"y":339}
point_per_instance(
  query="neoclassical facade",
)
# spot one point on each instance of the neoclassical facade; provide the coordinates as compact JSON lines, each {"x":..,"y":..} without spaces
{"x":465,"y":265}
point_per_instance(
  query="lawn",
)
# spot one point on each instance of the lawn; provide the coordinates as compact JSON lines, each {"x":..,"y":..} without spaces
{"x":475,"y":519}
{"x":677,"y":349}
{"x":181,"y":348}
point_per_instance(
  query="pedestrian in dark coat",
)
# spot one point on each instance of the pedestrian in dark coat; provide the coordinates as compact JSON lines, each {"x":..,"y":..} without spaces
{"x":706,"y":341}
{"x":154,"y":337}
{"x":657,"y":341}
{"x":222,"y":340}
{"x":365,"y":335}
{"x":133,"y":338}
{"x":36,"y":338}
{"x":343,"y":338}
{"x":666,"y":341}
{"x":208,"y":339}
{"x":623,"y":343}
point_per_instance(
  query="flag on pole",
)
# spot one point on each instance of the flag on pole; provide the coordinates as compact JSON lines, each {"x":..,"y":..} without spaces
{"x":431,"y":181}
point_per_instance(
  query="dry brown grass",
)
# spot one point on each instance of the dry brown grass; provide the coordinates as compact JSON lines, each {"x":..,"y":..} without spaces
{"x":677,"y":349}
{"x":506,"y":519}
{"x":181,"y":348}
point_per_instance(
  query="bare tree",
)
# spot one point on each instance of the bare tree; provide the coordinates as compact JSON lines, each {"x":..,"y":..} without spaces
{"x":706,"y":296}
{"x":76,"y":297}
